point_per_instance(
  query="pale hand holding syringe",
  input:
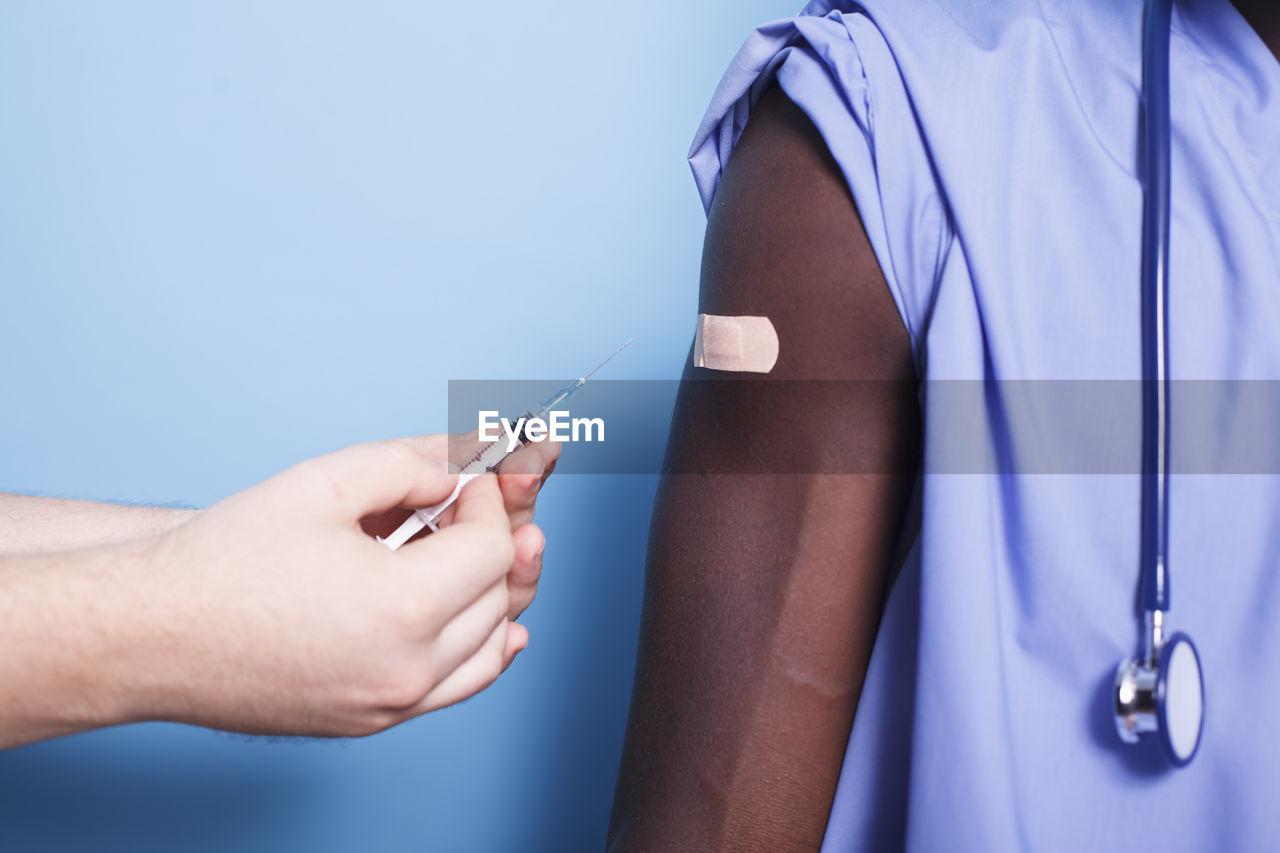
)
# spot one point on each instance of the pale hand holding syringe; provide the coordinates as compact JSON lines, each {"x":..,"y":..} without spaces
{"x":484,"y":460}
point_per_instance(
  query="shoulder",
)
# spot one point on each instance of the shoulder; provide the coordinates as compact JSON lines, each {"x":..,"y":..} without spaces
{"x":784,"y":240}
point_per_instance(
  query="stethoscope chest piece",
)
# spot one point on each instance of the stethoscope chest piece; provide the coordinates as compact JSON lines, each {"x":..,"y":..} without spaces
{"x":1167,"y":698}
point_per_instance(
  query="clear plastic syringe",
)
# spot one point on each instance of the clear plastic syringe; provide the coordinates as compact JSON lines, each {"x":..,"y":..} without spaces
{"x":486,"y":459}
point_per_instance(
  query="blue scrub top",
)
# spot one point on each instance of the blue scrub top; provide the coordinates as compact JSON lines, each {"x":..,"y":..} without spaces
{"x":991,"y":149}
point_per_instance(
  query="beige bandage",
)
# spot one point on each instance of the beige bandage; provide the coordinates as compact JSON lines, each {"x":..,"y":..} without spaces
{"x":742,"y":344}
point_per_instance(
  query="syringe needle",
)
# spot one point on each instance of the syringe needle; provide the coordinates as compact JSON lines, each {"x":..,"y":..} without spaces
{"x":430,"y":516}
{"x":607,"y":360}
{"x":572,"y":388}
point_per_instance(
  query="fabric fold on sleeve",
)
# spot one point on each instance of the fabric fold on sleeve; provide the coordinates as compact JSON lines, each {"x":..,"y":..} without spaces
{"x":840,"y":71}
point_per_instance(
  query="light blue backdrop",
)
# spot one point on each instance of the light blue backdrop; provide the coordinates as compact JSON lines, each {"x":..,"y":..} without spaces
{"x":237,"y":235}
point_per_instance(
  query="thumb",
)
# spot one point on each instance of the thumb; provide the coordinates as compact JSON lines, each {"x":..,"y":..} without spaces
{"x":481,"y":503}
{"x":363,"y":479}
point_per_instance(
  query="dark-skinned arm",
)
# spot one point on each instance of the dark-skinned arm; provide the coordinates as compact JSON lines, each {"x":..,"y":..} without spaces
{"x":764,"y":589}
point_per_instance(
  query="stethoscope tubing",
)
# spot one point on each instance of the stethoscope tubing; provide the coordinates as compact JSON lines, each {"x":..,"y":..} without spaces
{"x":1154,"y":577}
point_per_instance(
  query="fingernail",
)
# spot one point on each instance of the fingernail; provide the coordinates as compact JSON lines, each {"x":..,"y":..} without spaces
{"x":537,"y":560}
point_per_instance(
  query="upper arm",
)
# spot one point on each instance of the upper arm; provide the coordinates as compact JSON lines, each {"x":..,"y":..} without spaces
{"x":764,"y":589}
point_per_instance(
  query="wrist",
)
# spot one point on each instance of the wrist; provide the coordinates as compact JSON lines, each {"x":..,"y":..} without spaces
{"x":63,"y":656}
{"x":141,"y":633}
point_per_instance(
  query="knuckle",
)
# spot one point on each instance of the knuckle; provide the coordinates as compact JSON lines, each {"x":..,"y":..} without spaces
{"x":403,"y":613}
{"x":504,"y":549}
{"x":487,"y":549}
{"x":520,"y":601}
{"x":429,"y":614}
{"x":399,"y":694}
{"x":500,"y":602}
{"x":374,"y":722}
{"x":523,"y":484}
{"x":400,"y":452}
{"x":413,"y":614}
{"x":494,"y":660}
{"x":311,"y":476}
{"x":492,"y":547}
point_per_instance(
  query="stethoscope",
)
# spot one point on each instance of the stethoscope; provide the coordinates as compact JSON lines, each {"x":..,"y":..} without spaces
{"x":1162,"y":690}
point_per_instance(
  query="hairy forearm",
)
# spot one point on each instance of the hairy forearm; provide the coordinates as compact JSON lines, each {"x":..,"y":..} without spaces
{"x":33,"y":525}
{"x":69,"y":635}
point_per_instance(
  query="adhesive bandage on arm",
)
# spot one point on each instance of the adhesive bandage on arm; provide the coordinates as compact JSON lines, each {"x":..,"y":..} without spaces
{"x":741,"y":344}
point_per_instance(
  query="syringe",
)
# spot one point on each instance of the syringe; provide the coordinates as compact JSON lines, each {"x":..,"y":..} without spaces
{"x":488,"y":458}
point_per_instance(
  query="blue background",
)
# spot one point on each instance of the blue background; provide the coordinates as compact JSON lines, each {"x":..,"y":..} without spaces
{"x":238,"y":235}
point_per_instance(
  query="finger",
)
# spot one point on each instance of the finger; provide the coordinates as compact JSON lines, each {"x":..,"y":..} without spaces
{"x":481,"y":503}
{"x":522,"y":582}
{"x":466,"y":632}
{"x":517,"y":641}
{"x":456,"y":565}
{"x":464,"y":447}
{"x":481,"y":670}
{"x":521,"y":478}
{"x":445,"y":518}
{"x":449,"y":514}
{"x":368,"y":478}
{"x":541,"y":456}
{"x":383,"y":524}
{"x":435,"y":446}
